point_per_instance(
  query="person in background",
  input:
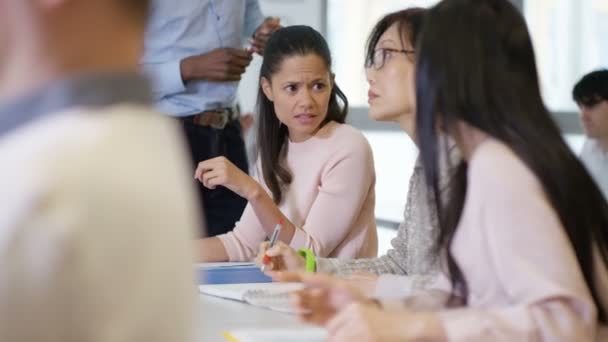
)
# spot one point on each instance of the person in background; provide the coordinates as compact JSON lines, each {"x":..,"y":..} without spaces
{"x":195,"y":54}
{"x":523,"y":258}
{"x":591,"y":96}
{"x":93,"y":247}
{"x":314,"y":173}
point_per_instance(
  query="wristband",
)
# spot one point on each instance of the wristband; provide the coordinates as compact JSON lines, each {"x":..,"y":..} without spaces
{"x":311,"y":263}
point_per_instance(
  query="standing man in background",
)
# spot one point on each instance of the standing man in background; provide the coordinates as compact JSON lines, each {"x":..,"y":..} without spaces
{"x":195,"y":55}
{"x":591,"y":96}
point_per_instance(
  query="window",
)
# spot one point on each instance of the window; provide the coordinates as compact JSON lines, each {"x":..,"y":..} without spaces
{"x":348,"y":25}
{"x":569,"y":38}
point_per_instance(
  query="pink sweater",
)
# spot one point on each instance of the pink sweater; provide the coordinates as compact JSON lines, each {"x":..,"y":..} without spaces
{"x":330,"y":200}
{"x":524,"y":280}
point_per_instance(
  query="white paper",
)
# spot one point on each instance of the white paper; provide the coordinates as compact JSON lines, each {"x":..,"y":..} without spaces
{"x":224,"y":264}
{"x":274,"y":296}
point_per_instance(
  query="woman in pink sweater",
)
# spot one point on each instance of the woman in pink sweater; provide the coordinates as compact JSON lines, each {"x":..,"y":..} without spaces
{"x":525,"y":258}
{"x":314,"y":173}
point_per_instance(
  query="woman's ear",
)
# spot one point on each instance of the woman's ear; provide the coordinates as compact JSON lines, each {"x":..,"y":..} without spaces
{"x":332,"y":79}
{"x":267,"y":88}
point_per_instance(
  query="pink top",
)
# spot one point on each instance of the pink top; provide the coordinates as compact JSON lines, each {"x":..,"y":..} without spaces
{"x":330,"y":200}
{"x":524,"y":280}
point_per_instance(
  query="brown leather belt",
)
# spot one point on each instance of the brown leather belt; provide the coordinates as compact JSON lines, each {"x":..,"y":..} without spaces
{"x":217,"y":118}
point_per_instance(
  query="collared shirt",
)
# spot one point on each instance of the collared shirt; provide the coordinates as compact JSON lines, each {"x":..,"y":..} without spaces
{"x":596,"y":162}
{"x":178,"y":29}
{"x":93,"y":90}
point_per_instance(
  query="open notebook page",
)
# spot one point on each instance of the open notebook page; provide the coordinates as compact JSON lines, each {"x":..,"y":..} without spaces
{"x":273,"y":296}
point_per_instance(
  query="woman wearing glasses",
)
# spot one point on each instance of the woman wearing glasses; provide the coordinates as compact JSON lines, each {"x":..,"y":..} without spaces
{"x":390,"y":64}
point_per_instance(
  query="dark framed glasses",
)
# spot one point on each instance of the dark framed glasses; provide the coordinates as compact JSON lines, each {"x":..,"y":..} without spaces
{"x":381,"y":55}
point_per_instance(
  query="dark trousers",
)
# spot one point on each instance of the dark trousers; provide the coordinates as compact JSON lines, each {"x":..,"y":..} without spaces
{"x":221,"y":206}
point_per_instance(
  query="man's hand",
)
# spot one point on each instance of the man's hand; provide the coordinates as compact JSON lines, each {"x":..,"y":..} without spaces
{"x":260,"y":36}
{"x":219,"y":65}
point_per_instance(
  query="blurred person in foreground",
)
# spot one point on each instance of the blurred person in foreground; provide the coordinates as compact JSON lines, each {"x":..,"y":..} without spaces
{"x":93,"y":247}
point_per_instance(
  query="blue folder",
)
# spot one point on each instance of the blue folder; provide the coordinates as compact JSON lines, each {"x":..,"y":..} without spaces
{"x":232,"y":275}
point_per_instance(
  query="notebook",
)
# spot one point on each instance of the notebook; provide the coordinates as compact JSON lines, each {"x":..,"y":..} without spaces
{"x":231,"y":273}
{"x":273,"y":296}
{"x":308,"y":334}
{"x":224,"y":264}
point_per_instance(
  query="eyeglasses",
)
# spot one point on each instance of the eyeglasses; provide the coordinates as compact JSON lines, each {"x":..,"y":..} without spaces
{"x":381,"y":55}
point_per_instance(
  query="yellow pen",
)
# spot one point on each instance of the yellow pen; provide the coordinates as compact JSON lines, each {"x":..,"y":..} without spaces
{"x":229,"y":337}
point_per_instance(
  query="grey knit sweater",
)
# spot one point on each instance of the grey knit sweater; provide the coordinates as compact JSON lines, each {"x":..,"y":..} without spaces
{"x":412,"y":250}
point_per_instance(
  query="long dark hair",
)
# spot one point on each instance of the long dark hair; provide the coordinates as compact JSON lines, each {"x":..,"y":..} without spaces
{"x":272,"y":136}
{"x":409,"y":24}
{"x":476,"y":64}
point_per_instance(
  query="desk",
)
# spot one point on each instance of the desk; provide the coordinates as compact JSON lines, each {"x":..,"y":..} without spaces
{"x":217,"y":315}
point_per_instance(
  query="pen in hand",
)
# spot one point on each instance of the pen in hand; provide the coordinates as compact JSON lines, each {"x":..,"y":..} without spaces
{"x":273,"y":239}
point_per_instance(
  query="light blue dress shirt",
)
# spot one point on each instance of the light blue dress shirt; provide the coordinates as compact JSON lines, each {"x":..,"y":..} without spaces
{"x":178,"y":29}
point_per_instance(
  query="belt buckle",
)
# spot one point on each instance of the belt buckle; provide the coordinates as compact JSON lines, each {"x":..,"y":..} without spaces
{"x":223,"y":113}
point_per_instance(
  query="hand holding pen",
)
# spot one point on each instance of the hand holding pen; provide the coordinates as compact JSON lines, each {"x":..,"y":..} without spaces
{"x":273,"y":239}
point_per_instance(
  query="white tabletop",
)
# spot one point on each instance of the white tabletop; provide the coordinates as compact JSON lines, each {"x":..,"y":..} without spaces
{"x":218,"y":315}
